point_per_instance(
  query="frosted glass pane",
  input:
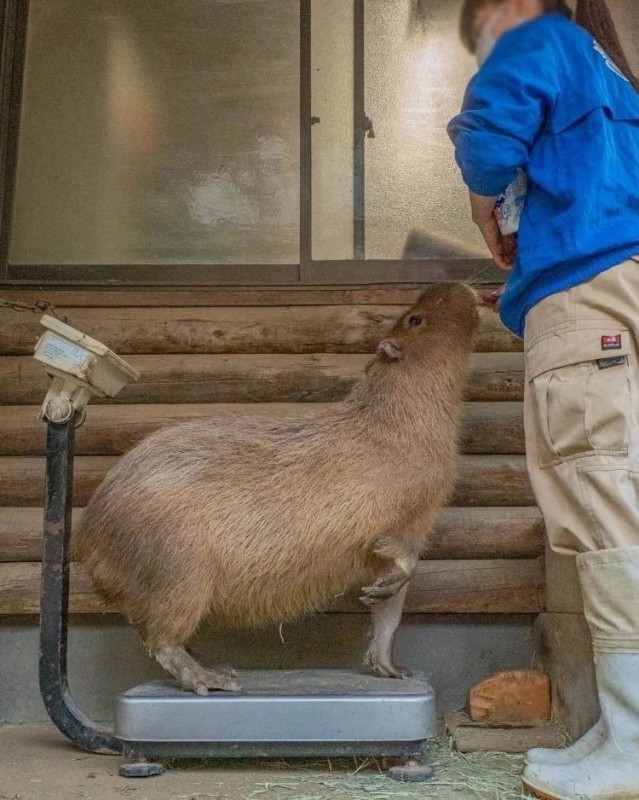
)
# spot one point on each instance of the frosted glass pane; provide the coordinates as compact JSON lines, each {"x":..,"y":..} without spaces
{"x":415,"y":81}
{"x":415,"y":77}
{"x":332,"y":146}
{"x":159,"y":132}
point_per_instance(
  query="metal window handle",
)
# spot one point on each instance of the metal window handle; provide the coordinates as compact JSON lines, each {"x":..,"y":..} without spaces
{"x":368,"y":127}
{"x":315,"y":120}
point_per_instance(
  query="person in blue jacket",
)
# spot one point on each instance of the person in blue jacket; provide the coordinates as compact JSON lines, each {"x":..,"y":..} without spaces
{"x":556,"y":100}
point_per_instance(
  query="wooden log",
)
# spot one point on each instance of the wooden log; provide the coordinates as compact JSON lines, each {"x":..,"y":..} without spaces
{"x":513,"y":586}
{"x":23,"y":479}
{"x":493,"y":429}
{"x":317,"y":378}
{"x":310,"y":329}
{"x":489,"y":428}
{"x":483,"y":480}
{"x":493,"y":481}
{"x":472,"y":739}
{"x":438,"y":587}
{"x":20,"y":590}
{"x":402,"y":294}
{"x":563,"y":588}
{"x":460,"y":533}
{"x":485,"y":533}
{"x":476,"y":737}
{"x":21,"y":533}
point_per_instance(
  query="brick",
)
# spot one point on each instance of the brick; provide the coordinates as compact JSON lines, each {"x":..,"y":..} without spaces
{"x":515,"y":697}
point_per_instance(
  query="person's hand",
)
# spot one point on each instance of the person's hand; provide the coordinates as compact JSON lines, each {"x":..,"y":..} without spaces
{"x":492,"y":299}
{"x":502,"y":248}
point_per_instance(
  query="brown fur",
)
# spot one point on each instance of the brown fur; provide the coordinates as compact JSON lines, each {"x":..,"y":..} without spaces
{"x":254,"y":522}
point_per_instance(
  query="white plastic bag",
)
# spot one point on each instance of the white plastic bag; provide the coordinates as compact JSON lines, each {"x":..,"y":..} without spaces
{"x":510,"y":204}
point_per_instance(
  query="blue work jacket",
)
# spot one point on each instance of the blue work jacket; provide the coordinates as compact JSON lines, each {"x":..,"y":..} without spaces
{"x":549,"y":100}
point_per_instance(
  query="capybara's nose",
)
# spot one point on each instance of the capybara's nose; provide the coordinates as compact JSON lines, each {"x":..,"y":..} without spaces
{"x":390,"y":350}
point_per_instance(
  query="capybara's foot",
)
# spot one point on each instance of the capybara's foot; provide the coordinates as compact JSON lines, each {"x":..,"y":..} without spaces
{"x":222,"y":677}
{"x":193,"y":676}
{"x":391,"y":671}
{"x":382,"y":666}
{"x":202,"y":680}
{"x":225,"y":669}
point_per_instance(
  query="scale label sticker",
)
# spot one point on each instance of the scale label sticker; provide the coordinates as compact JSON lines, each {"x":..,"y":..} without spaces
{"x":58,"y":349}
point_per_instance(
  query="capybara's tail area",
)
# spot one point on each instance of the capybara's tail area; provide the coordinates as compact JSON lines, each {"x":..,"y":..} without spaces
{"x":77,"y":548}
{"x":123,"y":579}
{"x":87,"y":547}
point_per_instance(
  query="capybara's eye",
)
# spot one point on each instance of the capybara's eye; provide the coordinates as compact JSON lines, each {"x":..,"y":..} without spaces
{"x":415,"y":320}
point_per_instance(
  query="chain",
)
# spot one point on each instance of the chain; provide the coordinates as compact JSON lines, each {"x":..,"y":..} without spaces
{"x":39,"y":307}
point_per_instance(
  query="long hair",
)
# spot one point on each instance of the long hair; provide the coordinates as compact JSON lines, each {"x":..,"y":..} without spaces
{"x":592,"y":15}
{"x":595,"y":17}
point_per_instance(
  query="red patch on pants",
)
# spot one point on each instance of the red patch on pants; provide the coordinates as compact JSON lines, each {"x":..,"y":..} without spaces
{"x":611,"y":342}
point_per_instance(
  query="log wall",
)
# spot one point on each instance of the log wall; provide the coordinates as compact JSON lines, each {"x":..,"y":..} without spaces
{"x":277,"y":351}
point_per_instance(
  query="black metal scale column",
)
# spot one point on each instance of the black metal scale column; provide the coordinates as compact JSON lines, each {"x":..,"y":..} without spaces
{"x":54,"y":598}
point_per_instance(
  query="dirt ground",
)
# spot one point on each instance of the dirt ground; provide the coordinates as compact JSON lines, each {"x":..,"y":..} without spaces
{"x":36,"y":762}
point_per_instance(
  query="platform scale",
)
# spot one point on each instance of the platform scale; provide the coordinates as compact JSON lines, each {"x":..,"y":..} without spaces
{"x":276,"y":714}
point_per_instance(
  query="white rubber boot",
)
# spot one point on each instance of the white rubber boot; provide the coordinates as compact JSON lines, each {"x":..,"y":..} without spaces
{"x":582,"y":747}
{"x":610,"y":587}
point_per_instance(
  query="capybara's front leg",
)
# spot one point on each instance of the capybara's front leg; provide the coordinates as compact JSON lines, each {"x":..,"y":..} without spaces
{"x":386,"y":619}
{"x":385,"y":599}
{"x":400,"y":563}
{"x":193,"y":676}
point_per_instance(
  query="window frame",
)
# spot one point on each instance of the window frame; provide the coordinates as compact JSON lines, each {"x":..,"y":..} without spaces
{"x":308,"y":272}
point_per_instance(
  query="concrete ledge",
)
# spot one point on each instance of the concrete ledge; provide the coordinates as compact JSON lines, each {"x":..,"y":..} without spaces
{"x":107,"y":657}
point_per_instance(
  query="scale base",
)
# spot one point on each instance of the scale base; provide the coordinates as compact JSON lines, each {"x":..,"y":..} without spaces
{"x":300,"y":713}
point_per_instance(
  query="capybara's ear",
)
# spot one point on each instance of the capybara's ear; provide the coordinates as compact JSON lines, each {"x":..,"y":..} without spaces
{"x":390,"y":350}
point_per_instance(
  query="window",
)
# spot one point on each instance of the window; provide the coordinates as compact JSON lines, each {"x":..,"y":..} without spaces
{"x":236,"y":141}
{"x":164,"y":132}
{"x":411,"y":80}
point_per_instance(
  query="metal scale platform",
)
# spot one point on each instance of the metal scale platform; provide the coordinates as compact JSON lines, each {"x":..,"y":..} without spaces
{"x":287,"y":713}
{"x":293,"y":713}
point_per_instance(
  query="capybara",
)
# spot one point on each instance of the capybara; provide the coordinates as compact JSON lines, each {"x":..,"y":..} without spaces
{"x":258,"y":521}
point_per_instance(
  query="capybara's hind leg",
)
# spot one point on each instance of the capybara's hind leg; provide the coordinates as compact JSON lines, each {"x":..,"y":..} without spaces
{"x":386,"y":619}
{"x":193,"y":676}
{"x":170,"y":622}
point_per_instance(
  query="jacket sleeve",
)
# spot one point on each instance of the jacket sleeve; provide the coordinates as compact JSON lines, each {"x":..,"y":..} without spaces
{"x":504,"y":109}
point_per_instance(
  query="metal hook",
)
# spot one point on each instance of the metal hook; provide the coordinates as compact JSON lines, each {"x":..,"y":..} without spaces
{"x":368,"y":127}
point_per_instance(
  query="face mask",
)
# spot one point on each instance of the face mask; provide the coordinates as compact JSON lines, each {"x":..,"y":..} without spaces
{"x":485,"y":45}
{"x":487,"y":40}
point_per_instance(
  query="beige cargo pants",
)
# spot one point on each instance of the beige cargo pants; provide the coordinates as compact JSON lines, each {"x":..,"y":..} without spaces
{"x":581,"y":411}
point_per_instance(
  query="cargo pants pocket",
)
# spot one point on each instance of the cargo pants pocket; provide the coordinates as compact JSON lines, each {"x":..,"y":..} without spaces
{"x":580,"y":394}
{"x":610,"y":495}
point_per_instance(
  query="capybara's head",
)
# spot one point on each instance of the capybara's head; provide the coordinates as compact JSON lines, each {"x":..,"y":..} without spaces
{"x":449,"y":309}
